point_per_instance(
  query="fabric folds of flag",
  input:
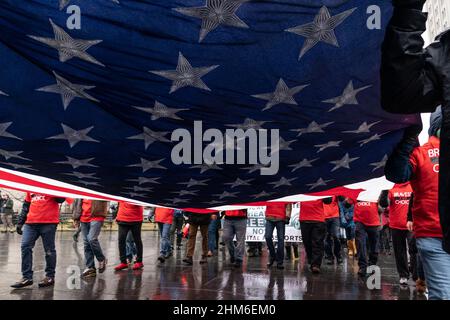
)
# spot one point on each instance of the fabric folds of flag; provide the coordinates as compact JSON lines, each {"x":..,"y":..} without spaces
{"x":91,"y":92}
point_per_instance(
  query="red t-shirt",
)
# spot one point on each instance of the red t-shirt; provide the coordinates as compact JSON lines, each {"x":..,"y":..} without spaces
{"x":43,"y":209}
{"x":425,"y":185}
{"x":86,"y":212}
{"x":164,"y":215}
{"x":130,"y":213}
{"x":276,"y":210}
{"x":312,"y":211}
{"x":366,"y":213}
{"x":399,"y":197}
{"x":331,"y":210}
{"x":236,"y":213}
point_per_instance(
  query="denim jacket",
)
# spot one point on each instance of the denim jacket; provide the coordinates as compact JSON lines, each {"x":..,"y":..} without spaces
{"x":346,"y":215}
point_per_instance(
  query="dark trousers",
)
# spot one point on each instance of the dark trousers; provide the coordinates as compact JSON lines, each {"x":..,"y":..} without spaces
{"x":332,"y":243}
{"x":400,"y":240}
{"x":135,"y":229}
{"x":350,"y":232}
{"x":416,"y":267}
{"x":385,"y":239}
{"x":313,"y":235}
{"x":176,"y":229}
{"x":280,"y":226}
{"x":367,"y":237}
{"x":31,"y":233}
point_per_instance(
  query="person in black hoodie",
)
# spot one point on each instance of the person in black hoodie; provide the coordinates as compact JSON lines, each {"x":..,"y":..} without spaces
{"x":196,"y":221}
{"x":416,"y":80}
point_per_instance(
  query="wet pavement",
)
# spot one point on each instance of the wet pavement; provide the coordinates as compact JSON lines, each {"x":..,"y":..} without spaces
{"x":216,"y":280}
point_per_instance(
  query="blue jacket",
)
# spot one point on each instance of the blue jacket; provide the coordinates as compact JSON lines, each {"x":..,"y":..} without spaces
{"x":346,"y":215}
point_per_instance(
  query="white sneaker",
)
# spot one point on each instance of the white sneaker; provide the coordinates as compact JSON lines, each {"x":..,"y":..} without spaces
{"x":403,"y":281}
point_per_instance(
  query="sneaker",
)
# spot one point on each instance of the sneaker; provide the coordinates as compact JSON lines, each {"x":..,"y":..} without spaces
{"x":315,"y":269}
{"x":188,"y":261}
{"x":161,"y":259}
{"x":102,"y":266}
{"x":88,"y":273}
{"x":121,"y":266}
{"x":138,"y":266}
{"x":403,"y":281}
{"x":3,"y":231}
{"x":280,"y":266}
{"x":270,"y":263}
{"x":46,"y":282}
{"x":340,"y":260}
{"x":22,"y":283}
{"x":330,"y":262}
{"x":12,"y":230}
{"x":203,"y":260}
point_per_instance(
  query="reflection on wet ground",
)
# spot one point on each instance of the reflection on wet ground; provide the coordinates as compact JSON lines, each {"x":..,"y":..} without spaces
{"x":216,"y":280}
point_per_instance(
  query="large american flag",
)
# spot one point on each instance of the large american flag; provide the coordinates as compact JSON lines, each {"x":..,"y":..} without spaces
{"x":95,"y":106}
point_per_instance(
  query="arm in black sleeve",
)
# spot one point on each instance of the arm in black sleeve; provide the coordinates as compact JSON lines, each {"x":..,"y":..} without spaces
{"x":384,"y":199}
{"x":398,"y":168}
{"x":409,"y":80}
{"x":60,"y":200}
{"x":22,"y":218}
{"x":411,"y":201}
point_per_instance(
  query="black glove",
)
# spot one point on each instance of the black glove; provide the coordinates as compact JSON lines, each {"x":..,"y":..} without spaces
{"x":409,"y":4}
{"x":411,"y":134}
{"x":19,"y":229}
{"x":287,"y":220}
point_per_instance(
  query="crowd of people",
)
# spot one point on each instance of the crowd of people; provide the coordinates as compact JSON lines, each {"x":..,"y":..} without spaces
{"x":406,"y":216}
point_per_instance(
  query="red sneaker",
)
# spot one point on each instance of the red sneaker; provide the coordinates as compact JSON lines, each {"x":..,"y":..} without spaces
{"x":121,"y":266}
{"x":138,"y":266}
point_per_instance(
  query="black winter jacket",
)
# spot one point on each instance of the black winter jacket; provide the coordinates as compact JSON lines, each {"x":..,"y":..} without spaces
{"x":416,"y":80}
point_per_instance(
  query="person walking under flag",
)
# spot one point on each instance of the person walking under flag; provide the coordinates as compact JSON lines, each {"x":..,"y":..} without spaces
{"x":235,"y":224}
{"x":129,"y":218}
{"x":39,"y":218}
{"x":313,"y":228}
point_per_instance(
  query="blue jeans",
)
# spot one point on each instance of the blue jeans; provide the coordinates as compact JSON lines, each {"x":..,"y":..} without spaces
{"x":436,"y":265}
{"x":280,"y":226}
{"x":131,"y":246}
{"x":165,"y":246}
{"x":332,"y":243}
{"x":32,"y":232}
{"x":363,"y":234}
{"x":212,"y":235}
{"x":92,"y":249}
{"x":236,"y":227}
